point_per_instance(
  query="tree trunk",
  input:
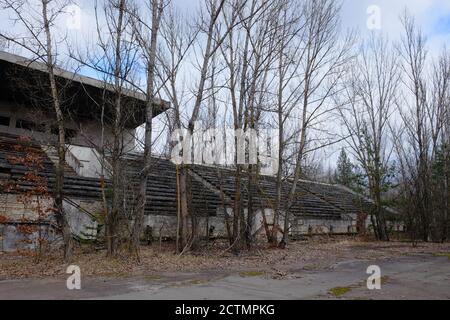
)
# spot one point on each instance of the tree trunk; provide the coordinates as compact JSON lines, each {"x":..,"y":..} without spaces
{"x":250,"y":213}
{"x":184,"y":226}
{"x":237,"y":212}
{"x":59,"y":179}
{"x":142,"y":196}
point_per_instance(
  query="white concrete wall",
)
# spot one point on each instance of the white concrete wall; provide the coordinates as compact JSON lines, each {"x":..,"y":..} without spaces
{"x":81,"y":223}
{"x":89,"y":133}
{"x":166,"y":225}
{"x":89,"y":159}
{"x":393,"y":225}
{"x":303,"y":226}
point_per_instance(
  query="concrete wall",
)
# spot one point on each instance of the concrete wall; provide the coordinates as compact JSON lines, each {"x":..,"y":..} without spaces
{"x":396,"y":226}
{"x":166,"y":225}
{"x":15,"y":208}
{"x":89,"y":132}
{"x":89,"y":159}
{"x":80,"y":222}
{"x":11,"y":239}
{"x":162,"y":225}
{"x":305,"y":226}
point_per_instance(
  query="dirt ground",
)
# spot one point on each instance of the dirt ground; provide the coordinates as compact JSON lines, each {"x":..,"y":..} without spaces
{"x":314,"y":254}
{"x":315,"y":269}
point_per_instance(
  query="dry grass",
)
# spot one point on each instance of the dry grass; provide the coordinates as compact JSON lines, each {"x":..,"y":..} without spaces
{"x":443,"y":254}
{"x":320,"y":253}
{"x":339,"y":291}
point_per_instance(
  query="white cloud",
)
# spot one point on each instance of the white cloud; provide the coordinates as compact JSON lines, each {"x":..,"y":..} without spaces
{"x":426,"y":12}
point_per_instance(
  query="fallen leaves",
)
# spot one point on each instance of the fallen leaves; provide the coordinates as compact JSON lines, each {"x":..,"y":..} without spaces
{"x":278,"y":264}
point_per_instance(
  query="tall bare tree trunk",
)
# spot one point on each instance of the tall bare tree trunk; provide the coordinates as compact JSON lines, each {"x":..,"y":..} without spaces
{"x":184,"y":216}
{"x":157,"y":9}
{"x":210,"y":48}
{"x":112,"y":232}
{"x":59,"y":181}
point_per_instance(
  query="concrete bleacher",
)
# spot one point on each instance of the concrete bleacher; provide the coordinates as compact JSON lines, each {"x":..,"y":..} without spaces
{"x":213,"y":189}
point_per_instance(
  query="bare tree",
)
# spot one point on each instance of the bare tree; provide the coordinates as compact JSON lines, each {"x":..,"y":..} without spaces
{"x":291,"y":51}
{"x":38,"y":22}
{"x":247,"y":69}
{"x":414,"y":55}
{"x":177,"y":39}
{"x":322,"y":65}
{"x":209,"y":36}
{"x":149,"y":48}
{"x":440,"y":111}
{"x":207,"y":25}
{"x":114,"y":56}
{"x":371,"y":94}
{"x":116,"y":15}
{"x":423,"y":132}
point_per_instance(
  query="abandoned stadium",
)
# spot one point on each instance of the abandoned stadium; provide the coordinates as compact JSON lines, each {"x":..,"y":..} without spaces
{"x":27,"y":127}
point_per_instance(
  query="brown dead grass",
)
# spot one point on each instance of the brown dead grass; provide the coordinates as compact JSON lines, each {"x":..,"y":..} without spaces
{"x":320,"y":253}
